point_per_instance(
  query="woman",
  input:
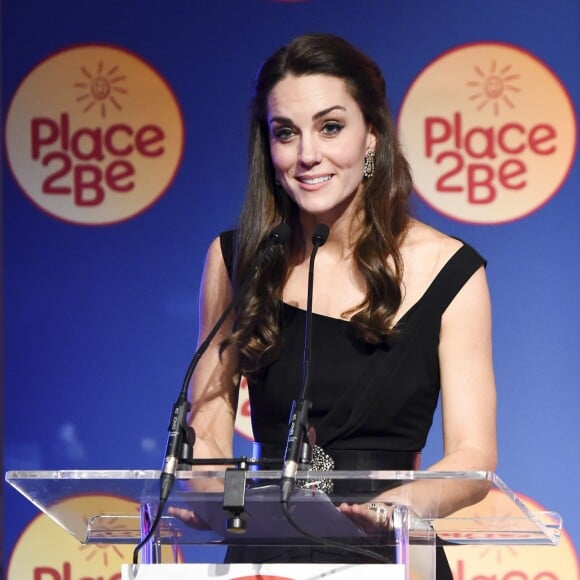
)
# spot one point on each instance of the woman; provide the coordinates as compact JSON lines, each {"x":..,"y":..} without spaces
{"x":401,"y":311}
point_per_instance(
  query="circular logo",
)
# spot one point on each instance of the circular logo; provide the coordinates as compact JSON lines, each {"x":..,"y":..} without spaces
{"x":44,"y":550}
{"x":490,"y":133}
{"x":531,"y":562}
{"x":94,"y":135}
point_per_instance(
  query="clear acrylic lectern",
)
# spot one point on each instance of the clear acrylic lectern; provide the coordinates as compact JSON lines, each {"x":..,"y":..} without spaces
{"x":419,"y":519}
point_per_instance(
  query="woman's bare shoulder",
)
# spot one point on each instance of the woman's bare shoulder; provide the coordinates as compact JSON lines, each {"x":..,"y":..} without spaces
{"x":426,"y":248}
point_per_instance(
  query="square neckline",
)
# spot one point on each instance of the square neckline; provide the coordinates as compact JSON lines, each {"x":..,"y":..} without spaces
{"x":407,"y":312}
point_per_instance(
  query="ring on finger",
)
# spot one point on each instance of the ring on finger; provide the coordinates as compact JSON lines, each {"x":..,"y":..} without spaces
{"x":381,"y":512}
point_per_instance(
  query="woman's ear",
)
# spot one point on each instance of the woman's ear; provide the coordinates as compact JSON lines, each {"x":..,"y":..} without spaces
{"x":372,"y":139}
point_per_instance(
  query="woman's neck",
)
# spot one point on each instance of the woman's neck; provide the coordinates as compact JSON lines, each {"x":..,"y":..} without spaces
{"x":343,"y":232}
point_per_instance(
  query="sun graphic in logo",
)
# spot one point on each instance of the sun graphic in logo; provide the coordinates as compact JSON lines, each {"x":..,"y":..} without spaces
{"x":494,"y":87}
{"x":100,"y":554}
{"x":100,"y":88}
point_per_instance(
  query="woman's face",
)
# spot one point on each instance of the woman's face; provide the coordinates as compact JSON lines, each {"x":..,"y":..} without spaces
{"x":318,"y":142}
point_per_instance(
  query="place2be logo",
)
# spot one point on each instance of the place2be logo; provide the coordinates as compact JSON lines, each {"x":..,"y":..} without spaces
{"x":94,"y":135}
{"x":489,"y":131}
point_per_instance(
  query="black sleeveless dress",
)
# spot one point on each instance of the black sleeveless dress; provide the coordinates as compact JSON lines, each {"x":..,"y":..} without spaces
{"x":372,"y":406}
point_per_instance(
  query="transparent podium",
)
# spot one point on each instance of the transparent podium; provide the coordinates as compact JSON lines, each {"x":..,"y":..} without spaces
{"x":250,"y":515}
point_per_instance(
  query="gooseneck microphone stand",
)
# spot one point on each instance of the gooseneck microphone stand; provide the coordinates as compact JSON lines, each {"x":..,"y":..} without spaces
{"x":181,"y":437}
{"x":298,"y":426}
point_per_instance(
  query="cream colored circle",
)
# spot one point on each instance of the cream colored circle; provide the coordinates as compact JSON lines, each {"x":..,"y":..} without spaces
{"x":94,"y":135}
{"x":493,"y":116}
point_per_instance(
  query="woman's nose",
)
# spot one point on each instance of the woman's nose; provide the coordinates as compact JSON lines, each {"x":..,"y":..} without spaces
{"x":309,"y":152}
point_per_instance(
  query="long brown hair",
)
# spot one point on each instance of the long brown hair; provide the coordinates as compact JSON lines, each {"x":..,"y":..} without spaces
{"x":385,"y":213}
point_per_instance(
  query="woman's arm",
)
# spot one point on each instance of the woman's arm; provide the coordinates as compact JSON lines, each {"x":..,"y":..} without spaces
{"x":468,"y":410}
{"x":467,"y":380}
{"x":468,"y":398}
{"x":213,"y":388}
{"x":214,"y":384}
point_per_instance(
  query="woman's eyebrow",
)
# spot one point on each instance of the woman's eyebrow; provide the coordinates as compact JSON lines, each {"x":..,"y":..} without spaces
{"x":315,"y":117}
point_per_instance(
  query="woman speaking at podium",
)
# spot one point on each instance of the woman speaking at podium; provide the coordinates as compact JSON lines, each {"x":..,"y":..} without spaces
{"x":401,"y":311}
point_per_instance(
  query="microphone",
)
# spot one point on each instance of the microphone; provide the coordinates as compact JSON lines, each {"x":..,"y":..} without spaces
{"x":298,"y":425}
{"x":180,"y":433}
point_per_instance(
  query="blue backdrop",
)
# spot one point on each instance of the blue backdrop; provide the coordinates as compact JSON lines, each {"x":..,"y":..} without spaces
{"x":100,"y":322}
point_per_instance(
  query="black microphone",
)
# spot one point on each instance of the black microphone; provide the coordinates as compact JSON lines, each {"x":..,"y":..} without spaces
{"x":298,"y":425}
{"x":180,"y":433}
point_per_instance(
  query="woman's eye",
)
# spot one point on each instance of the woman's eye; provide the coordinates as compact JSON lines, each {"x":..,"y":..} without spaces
{"x":283,"y":134}
{"x":332,"y":128}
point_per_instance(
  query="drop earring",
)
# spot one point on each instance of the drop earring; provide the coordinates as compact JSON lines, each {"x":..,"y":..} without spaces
{"x":369,"y":166}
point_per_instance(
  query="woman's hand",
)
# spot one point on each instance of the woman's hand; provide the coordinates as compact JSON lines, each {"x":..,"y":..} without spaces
{"x":188,"y":517}
{"x":372,"y":518}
